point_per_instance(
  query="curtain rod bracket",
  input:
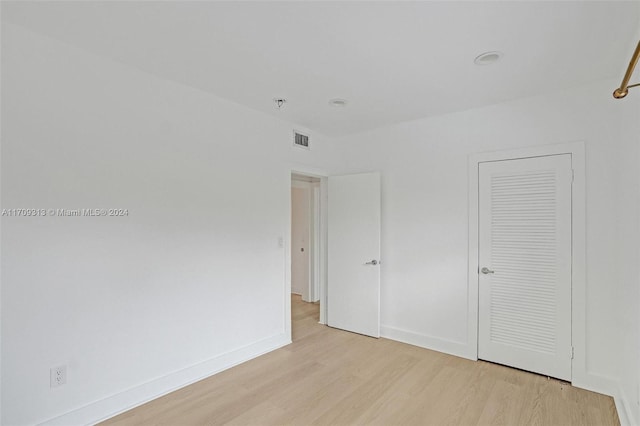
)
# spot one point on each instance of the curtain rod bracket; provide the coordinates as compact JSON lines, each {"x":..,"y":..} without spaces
{"x":623,"y":90}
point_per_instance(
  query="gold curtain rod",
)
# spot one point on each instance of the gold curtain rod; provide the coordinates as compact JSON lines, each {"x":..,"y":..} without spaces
{"x":622,"y":91}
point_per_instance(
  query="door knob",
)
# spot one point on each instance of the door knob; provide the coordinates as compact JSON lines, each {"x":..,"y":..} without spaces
{"x":486,"y":270}
{"x":373,"y":262}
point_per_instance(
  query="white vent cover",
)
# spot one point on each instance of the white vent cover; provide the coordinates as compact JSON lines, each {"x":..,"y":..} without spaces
{"x":300,"y":140}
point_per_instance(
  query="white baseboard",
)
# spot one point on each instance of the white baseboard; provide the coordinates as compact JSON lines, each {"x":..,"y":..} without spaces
{"x":623,"y":405}
{"x":623,"y":413}
{"x":131,"y":398}
{"x":595,"y":383}
{"x":608,"y":386}
{"x":428,"y":342}
{"x":128,"y":399}
{"x":591,"y":382}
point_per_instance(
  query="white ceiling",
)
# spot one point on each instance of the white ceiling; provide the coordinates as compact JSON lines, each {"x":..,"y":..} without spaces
{"x":393,"y":61}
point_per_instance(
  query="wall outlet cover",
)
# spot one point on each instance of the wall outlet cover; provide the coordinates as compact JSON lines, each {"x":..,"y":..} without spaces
{"x":58,"y":376}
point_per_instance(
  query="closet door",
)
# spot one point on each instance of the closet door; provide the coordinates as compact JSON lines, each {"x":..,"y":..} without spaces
{"x":525,"y":264}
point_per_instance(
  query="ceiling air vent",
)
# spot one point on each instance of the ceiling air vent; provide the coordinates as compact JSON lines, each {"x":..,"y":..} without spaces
{"x":300,"y":140}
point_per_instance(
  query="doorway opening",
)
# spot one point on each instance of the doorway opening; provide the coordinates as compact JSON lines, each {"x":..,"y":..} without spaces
{"x":352,"y":301}
{"x":307,"y":248}
{"x":305,"y":203}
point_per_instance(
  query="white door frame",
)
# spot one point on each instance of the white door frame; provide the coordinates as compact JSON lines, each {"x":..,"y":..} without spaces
{"x":321,"y":257}
{"x":578,"y":246}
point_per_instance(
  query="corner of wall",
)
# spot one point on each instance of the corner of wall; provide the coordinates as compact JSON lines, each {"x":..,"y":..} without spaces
{"x":623,"y":406}
{"x":611,"y":387}
{"x":623,"y":414}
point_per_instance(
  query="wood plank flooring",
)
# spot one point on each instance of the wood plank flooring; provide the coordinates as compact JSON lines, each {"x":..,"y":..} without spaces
{"x":332,"y":377}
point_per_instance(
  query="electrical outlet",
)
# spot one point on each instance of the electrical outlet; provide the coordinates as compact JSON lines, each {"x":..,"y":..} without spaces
{"x":280,"y":242}
{"x":58,"y":376}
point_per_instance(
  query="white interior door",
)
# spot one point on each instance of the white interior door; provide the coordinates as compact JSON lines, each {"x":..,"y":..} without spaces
{"x":525,"y":264}
{"x":353,"y":287}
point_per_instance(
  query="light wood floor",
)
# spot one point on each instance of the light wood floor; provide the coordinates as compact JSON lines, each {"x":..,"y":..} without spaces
{"x":332,"y":377}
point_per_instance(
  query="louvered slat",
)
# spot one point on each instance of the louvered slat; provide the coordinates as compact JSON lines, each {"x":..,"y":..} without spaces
{"x":513,"y":198}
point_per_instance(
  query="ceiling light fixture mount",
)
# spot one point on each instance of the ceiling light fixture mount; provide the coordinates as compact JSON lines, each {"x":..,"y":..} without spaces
{"x":488,"y":58}
{"x":338,"y":102}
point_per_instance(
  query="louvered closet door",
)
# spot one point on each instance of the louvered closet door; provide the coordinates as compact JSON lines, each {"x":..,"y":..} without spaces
{"x":525,"y":246}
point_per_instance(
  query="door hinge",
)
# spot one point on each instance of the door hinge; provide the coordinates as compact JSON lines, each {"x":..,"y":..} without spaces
{"x":573,"y":352}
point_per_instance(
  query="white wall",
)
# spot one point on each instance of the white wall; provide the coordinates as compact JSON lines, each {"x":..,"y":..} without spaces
{"x":191,"y":281}
{"x":627,"y":292}
{"x":424,"y":219}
